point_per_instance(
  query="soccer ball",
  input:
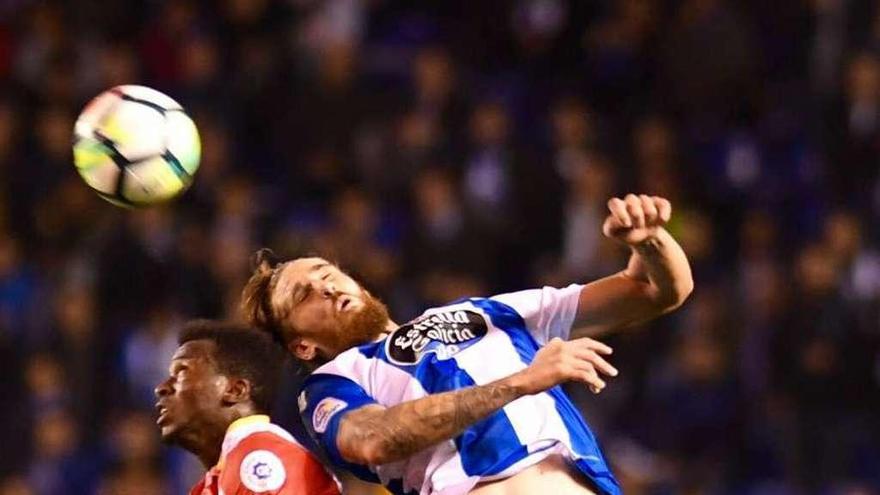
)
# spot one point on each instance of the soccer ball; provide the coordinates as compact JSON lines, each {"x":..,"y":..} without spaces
{"x":135,"y":146}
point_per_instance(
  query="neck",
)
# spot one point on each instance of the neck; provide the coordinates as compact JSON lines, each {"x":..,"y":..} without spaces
{"x":389,"y":327}
{"x":209,"y":455}
{"x":208,"y":445}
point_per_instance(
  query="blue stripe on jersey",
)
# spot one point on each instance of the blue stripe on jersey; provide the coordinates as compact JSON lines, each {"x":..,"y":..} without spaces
{"x":326,"y":385}
{"x":584,"y":443}
{"x":582,"y":439}
{"x":373,"y":350}
{"x":489,"y":446}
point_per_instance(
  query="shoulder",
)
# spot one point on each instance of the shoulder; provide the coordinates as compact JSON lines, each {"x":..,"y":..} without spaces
{"x":269,"y":447}
{"x":266,"y":461}
{"x":346,"y":360}
{"x":324,"y":395}
{"x":353,"y":362}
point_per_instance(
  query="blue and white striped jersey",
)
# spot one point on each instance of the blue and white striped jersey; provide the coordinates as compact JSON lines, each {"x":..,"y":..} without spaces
{"x":472,"y":342}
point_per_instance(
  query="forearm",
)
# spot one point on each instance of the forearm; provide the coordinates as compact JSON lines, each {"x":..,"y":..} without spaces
{"x":660,"y":262}
{"x":373,"y":435}
{"x":656,"y":280}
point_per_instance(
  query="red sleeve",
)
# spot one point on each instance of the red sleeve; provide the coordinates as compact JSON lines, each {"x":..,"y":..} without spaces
{"x":267,"y":464}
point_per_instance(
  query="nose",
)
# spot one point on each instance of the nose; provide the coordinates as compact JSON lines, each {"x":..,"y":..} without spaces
{"x":328,"y":290}
{"x":163,"y":389}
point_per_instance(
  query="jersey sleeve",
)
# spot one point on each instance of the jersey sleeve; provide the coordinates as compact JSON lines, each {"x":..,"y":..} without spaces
{"x":266,"y":464}
{"x":324,"y":400}
{"x":548,"y":312}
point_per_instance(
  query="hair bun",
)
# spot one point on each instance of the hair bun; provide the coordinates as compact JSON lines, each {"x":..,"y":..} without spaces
{"x":264,"y":260}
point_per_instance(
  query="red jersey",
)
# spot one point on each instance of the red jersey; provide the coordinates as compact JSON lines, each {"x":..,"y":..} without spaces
{"x":259,"y":457}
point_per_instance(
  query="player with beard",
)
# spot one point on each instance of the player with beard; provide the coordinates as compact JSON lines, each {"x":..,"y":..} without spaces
{"x":466,"y":397}
{"x":222,"y":381}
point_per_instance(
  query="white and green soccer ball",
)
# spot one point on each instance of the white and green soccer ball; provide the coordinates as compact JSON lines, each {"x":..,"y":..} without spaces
{"x":135,"y":146}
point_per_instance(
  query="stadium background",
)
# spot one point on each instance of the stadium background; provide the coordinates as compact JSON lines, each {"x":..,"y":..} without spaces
{"x":446,"y":148}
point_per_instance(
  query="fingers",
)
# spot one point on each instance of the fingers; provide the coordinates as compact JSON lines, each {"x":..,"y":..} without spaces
{"x":618,"y":210}
{"x":595,"y":345}
{"x":589,"y":364}
{"x":587,"y":375}
{"x":634,"y":208}
{"x":664,"y":208}
{"x":651,"y":214}
{"x":639,"y":211}
{"x":597,"y":361}
{"x":579,"y":360}
{"x":592,"y":380}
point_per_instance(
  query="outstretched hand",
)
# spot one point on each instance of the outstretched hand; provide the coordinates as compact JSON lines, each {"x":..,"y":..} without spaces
{"x":561,"y":361}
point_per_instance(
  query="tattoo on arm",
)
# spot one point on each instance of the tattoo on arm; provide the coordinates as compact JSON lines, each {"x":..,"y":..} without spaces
{"x":374,"y":435}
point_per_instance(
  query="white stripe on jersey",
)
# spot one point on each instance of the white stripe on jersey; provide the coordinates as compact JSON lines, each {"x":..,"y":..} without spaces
{"x":547,"y":312}
{"x":385,"y":383}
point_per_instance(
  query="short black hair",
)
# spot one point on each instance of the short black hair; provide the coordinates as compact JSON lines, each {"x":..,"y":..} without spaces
{"x":242,"y":352}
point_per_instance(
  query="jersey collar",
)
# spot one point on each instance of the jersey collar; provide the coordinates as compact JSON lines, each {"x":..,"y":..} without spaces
{"x":238,"y":430}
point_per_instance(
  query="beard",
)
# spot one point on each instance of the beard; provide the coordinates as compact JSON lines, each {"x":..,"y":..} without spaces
{"x":363,"y":327}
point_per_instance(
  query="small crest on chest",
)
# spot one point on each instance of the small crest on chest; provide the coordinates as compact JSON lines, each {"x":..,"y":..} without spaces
{"x":445,"y":334}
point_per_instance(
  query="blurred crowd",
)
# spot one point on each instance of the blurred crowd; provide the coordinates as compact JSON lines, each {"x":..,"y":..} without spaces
{"x":445,"y":148}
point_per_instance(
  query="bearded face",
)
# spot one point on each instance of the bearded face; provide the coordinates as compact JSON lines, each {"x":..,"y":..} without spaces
{"x":325,"y":311}
{"x":365,"y":325}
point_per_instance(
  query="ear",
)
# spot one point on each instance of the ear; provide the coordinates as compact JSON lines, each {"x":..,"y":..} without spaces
{"x":303,"y":349}
{"x":237,"y":390}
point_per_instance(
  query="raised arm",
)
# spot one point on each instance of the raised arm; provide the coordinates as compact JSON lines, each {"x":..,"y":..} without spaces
{"x":656,"y":280}
{"x":374,"y":435}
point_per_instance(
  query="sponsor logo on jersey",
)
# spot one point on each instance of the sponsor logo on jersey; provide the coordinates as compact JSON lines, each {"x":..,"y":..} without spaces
{"x":324,"y":411}
{"x":443,"y":334}
{"x":262,"y":471}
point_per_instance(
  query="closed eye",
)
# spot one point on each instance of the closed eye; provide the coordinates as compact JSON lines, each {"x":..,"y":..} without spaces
{"x":177,"y":369}
{"x":303,"y":293}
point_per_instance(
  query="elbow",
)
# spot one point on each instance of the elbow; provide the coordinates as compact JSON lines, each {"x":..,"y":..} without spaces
{"x":684,"y":292}
{"x":672,"y":299}
{"x":368,"y":452}
{"x":364,"y":438}
{"x":376,"y":453}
